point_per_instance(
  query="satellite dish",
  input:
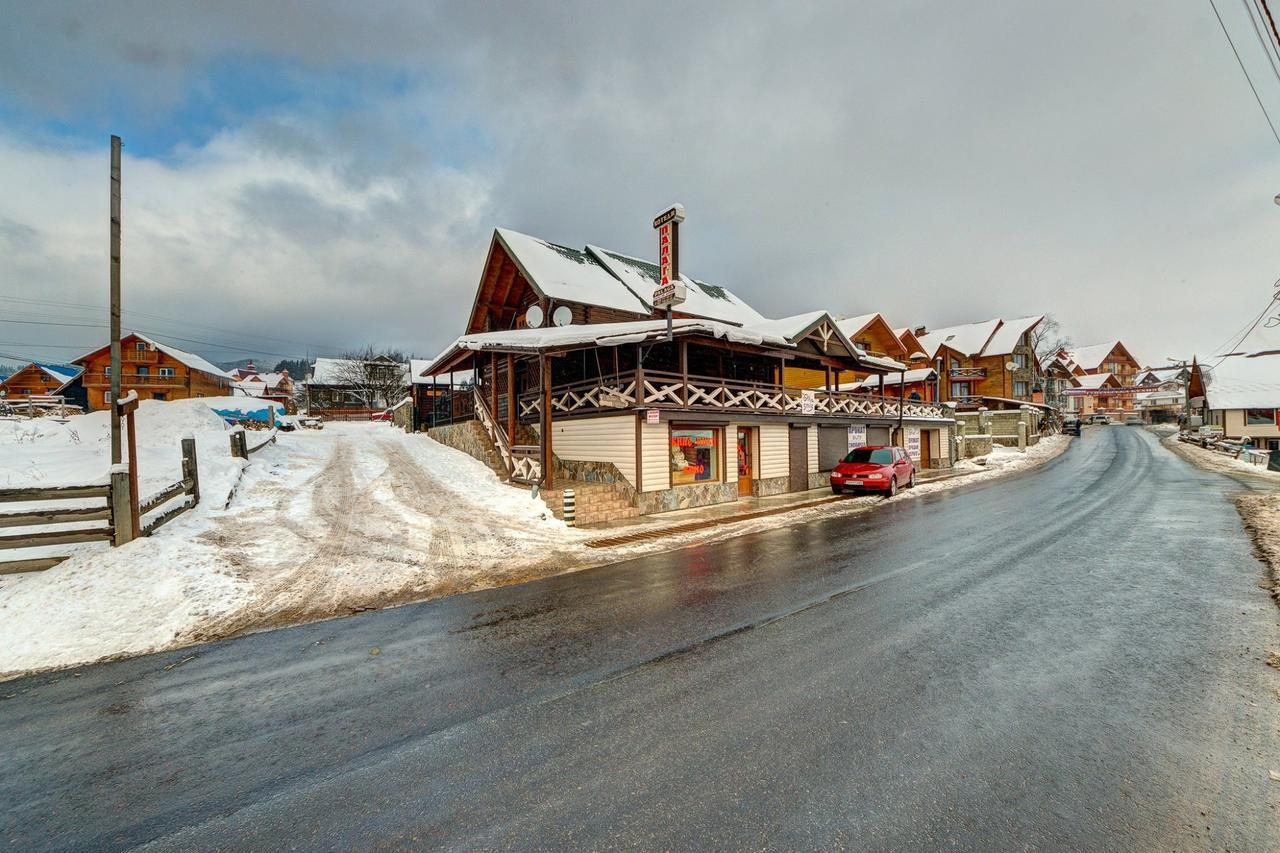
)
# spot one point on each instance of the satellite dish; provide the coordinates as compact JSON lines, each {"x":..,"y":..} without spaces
{"x":1012,"y":365}
{"x":533,"y":317}
{"x":562,"y":316}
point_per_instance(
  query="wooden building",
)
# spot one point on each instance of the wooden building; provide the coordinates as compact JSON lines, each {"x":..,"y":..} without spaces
{"x":1241,"y":394}
{"x":991,"y":364}
{"x":355,"y":389}
{"x":729,"y":404}
{"x":156,"y":371}
{"x":43,"y":379}
{"x":275,"y":386}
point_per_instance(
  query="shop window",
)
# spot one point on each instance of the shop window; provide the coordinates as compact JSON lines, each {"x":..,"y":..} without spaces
{"x":695,"y":455}
{"x":1259,"y":417}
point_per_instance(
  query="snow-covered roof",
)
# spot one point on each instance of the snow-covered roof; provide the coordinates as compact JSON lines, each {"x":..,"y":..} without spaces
{"x":604,"y":334}
{"x":1092,"y":356}
{"x":1009,"y":335}
{"x":1243,"y":382}
{"x":569,"y":274}
{"x":968,"y":340}
{"x":850,"y":326}
{"x":790,"y":327}
{"x":1093,"y":380}
{"x":59,"y":372}
{"x":334,"y":371}
{"x":918,"y":374}
{"x":191,"y":360}
{"x":418,"y":366}
{"x":704,"y":300}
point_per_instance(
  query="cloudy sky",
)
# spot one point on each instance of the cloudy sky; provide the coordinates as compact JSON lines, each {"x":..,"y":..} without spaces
{"x":313,"y":177}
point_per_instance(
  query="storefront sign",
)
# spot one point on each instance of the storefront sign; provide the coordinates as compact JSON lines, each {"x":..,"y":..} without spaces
{"x":667,"y":225}
{"x":913,"y":443}
{"x":651,"y":416}
{"x":1108,"y":392}
{"x":808,"y":402}
{"x":695,"y":456}
{"x":670,"y":294}
{"x":857,"y":436}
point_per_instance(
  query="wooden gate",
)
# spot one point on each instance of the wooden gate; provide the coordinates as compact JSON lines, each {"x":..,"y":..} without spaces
{"x":798,"y":447}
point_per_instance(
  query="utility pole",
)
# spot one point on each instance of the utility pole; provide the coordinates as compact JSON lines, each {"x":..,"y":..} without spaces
{"x":115,"y":299}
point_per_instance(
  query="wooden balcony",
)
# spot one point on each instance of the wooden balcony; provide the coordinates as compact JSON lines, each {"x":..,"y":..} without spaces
{"x":708,"y":394}
{"x":130,"y":380}
{"x":140,"y":356}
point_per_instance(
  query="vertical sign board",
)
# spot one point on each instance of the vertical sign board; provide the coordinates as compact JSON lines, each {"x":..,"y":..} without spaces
{"x":913,"y":443}
{"x":808,"y":402}
{"x":671,"y":291}
{"x":857,"y":436}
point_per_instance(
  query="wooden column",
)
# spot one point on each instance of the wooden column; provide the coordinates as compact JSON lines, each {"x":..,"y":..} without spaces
{"x":511,"y":398}
{"x":546,"y":421}
{"x":639,"y":375}
{"x":493,"y":392}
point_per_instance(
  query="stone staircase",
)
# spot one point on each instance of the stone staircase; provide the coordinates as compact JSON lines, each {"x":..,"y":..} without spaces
{"x":595,"y":502}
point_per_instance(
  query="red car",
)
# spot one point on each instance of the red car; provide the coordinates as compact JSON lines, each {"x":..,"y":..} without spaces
{"x":874,"y":469}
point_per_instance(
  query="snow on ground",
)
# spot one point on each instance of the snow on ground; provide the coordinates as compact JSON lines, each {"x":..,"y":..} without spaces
{"x":321,"y":523}
{"x":1214,"y":460}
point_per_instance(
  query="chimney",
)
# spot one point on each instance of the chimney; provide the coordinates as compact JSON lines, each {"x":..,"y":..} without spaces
{"x":920,"y":330}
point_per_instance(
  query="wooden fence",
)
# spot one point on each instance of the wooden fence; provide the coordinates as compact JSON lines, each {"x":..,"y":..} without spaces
{"x":240,"y":444}
{"x":188,"y":487}
{"x":116,"y":512}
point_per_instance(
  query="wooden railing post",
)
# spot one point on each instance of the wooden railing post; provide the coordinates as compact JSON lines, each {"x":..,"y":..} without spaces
{"x":239,"y":445}
{"x":121,"y":505}
{"x":190,"y":467}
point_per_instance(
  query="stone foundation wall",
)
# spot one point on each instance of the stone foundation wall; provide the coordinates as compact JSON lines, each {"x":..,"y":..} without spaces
{"x":769,"y":486}
{"x":974,"y":445}
{"x":471,"y":439}
{"x":686,"y":497}
{"x":819,"y":479}
{"x":587,"y":471}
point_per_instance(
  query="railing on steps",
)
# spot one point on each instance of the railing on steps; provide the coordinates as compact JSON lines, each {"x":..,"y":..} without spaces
{"x":523,"y":463}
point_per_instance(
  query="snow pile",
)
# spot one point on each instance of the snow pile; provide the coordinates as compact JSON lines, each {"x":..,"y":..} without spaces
{"x":322,"y":523}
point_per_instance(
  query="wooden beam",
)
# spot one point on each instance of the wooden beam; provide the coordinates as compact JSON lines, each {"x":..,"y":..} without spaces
{"x":512,"y":405}
{"x":547,"y":474}
{"x":55,"y":493}
{"x":54,"y":516}
{"x":39,"y":564}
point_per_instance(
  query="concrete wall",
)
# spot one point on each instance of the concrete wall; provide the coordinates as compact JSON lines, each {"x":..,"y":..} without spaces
{"x":608,"y":439}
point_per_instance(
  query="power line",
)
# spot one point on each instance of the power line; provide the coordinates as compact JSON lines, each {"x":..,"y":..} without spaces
{"x":144,"y":314}
{"x":1247,"y":78}
{"x":1264,"y":42}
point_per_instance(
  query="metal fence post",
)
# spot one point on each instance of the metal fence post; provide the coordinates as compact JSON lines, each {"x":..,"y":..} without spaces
{"x":121,"y":505}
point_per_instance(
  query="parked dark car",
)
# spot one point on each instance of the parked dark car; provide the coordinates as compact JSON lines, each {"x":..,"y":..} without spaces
{"x":1071,"y":426}
{"x":874,"y":469}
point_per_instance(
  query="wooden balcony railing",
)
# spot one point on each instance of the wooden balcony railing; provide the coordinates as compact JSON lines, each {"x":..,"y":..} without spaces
{"x":704,"y":393}
{"x":140,"y":356}
{"x":130,"y":380}
{"x":965,"y":373}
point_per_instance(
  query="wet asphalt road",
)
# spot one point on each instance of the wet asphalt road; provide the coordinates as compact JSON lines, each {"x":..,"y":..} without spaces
{"x":1072,"y":658}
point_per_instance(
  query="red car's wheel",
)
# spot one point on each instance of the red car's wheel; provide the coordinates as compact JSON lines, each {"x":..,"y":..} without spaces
{"x":893,"y":486}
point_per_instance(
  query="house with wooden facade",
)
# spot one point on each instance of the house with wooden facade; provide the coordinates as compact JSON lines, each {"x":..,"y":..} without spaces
{"x":276,"y":386}
{"x":354,"y":389}
{"x":991,"y":363}
{"x":156,"y":371}
{"x":1240,"y":391}
{"x":578,"y":378}
{"x":1097,"y":396}
{"x":43,"y":379}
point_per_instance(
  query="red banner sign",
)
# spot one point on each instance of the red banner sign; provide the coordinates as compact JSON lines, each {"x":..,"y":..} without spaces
{"x":1109,"y":392}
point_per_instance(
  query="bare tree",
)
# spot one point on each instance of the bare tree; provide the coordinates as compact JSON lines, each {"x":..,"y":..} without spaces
{"x":378,"y":378}
{"x":1047,"y":339}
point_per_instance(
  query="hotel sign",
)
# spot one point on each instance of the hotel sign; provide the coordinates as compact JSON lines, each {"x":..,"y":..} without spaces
{"x":671,"y":291}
